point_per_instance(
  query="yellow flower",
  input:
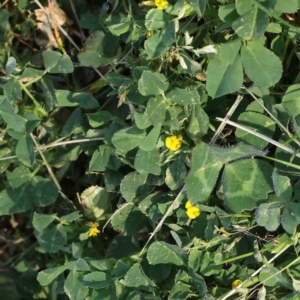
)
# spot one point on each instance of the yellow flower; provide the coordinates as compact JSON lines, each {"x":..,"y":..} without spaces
{"x":236,"y":283}
{"x":161,"y":4}
{"x":94,"y":231}
{"x":193,"y":212}
{"x":174,"y":142}
{"x":188,"y":204}
{"x":149,"y":33}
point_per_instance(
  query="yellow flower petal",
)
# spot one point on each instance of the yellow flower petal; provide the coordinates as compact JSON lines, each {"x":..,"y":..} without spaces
{"x":193,"y":212}
{"x":236,"y":283}
{"x":173,"y":142}
{"x":188,"y":204}
{"x":161,"y":4}
{"x":94,"y":231}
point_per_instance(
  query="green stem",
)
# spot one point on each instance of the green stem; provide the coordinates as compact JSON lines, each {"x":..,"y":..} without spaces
{"x":35,"y":79}
{"x":253,"y":276}
{"x":242,"y":256}
{"x":40,"y":110}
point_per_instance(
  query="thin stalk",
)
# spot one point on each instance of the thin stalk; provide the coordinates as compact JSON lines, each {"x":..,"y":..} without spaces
{"x":46,"y":163}
{"x":224,"y":121}
{"x":263,"y":137}
{"x":273,"y":117}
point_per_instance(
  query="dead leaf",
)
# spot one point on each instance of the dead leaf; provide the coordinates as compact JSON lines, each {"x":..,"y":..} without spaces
{"x":45,"y":24}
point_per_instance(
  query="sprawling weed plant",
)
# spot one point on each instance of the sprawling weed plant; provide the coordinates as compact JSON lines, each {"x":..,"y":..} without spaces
{"x":149,"y":149}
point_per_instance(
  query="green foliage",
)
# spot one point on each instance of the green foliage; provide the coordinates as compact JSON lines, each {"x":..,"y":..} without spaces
{"x":118,"y":180}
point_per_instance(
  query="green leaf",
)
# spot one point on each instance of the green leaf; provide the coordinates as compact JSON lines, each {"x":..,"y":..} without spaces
{"x":147,"y":162}
{"x":68,"y":99}
{"x":9,"y":116}
{"x":141,"y":121}
{"x":96,"y":200}
{"x":158,"y":273}
{"x":118,"y":29}
{"x":136,"y":278}
{"x":155,"y":19}
{"x":252,"y":24}
{"x":73,"y":122}
{"x":175,"y":174}
{"x":208,"y":266}
{"x":104,"y":158}
{"x":99,"y":118}
{"x":77,"y":265}
{"x":246,"y":184}
{"x":261,"y":65}
{"x":150,"y":141}
{"x":42,"y":191}
{"x":4,"y":164}
{"x":155,"y":46}
{"x":70,"y":217}
{"x":118,"y":23}
{"x":207,"y":162}
{"x":47,"y":276}
{"x":156,"y":111}
{"x":97,"y":280}
{"x":243,"y":6}
{"x":19,"y":176}
{"x":229,"y":51}
{"x":25,"y":151}
{"x":291,"y":100}
{"x":272,"y":277}
{"x":198,"y":282}
{"x":228,"y":13}
{"x":41,"y":221}
{"x":192,"y":66}
{"x":152,"y":83}
{"x":268,"y":215}
{"x":198,"y":6}
{"x":12,"y":90}
{"x":74,"y":286}
{"x":131,"y":185}
{"x":4,"y":23}
{"x":53,"y":240}
{"x":128,"y":138}
{"x":198,"y":123}
{"x":224,"y":78}
{"x":163,"y":253}
{"x":55,"y":62}
{"x":290,"y":217}
{"x":183,"y":97}
{"x":258,"y":123}
{"x":13,"y":201}
{"x":282,"y":187}
{"x":129,"y":220}
{"x":287,"y":7}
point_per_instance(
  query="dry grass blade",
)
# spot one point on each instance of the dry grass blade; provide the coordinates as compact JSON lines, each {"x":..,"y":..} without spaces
{"x":259,"y":135}
{"x":227,"y":117}
{"x":171,"y":208}
{"x":274,"y":118}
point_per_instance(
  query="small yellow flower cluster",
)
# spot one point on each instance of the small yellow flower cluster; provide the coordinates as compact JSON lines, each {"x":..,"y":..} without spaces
{"x":236,"y":283}
{"x":160,"y":4}
{"x":174,"y":142}
{"x":94,"y":231}
{"x":192,"y":211}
